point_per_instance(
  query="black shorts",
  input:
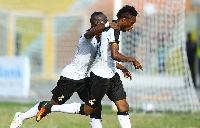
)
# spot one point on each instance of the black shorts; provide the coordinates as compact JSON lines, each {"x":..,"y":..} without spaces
{"x":100,"y":86}
{"x":66,"y":87}
{"x":116,"y":90}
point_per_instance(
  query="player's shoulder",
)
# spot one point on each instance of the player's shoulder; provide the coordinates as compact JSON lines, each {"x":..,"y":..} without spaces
{"x":109,"y":30}
{"x":83,"y":39}
{"x":83,"y":33}
{"x":83,"y":36}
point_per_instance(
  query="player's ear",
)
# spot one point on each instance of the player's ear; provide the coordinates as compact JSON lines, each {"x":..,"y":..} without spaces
{"x":123,"y":19}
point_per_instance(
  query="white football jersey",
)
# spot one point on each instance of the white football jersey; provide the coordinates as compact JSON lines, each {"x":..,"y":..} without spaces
{"x":104,"y":65}
{"x":83,"y":59}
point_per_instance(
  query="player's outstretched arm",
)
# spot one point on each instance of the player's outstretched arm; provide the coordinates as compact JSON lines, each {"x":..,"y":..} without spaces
{"x":124,"y":70}
{"x":95,"y":30}
{"x":99,"y":28}
{"x":121,"y":58}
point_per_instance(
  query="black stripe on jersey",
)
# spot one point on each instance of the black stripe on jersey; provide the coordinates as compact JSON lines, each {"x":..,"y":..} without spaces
{"x":114,"y":21}
{"x":106,"y":29}
{"x":116,"y":35}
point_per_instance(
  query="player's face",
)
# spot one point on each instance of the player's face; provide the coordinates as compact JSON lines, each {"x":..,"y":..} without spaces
{"x":102,"y":19}
{"x":127,"y":24}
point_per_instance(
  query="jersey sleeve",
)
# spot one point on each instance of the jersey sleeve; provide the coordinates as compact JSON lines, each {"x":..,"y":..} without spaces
{"x":114,"y":37}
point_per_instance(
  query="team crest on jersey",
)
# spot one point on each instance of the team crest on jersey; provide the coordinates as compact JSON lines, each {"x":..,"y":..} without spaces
{"x":60,"y":98}
{"x":92,"y":101}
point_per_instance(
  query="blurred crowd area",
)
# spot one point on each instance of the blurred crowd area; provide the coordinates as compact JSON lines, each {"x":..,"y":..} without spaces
{"x":192,"y":32}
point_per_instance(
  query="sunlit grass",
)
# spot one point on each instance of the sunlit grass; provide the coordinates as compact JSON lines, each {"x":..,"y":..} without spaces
{"x":62,"y":120}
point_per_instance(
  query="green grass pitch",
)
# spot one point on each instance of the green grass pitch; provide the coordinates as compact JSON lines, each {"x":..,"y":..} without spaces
{"x":63,"y":120}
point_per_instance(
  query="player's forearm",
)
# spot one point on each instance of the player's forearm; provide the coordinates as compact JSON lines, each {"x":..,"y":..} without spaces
{"x":92,"y":32}
{"x":119,"y":66}
{"x":121,"y":58}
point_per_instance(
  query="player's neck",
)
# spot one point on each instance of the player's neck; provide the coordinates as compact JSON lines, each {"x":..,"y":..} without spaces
{"x":118,"y":24}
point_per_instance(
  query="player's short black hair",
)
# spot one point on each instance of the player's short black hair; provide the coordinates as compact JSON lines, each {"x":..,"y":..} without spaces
{"x":126,"y":12}
{"x":94,"y":15}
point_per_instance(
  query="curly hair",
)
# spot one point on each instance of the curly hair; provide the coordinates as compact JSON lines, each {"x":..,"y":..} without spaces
{"x":126,"y":12}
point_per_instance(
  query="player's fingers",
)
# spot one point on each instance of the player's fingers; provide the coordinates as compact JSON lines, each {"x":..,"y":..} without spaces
{"x":125,"y":75}
{"x":141,"y":67}
{"x":128,"y":74}
{"x":130,"y":77}
{"x":137,"y":67}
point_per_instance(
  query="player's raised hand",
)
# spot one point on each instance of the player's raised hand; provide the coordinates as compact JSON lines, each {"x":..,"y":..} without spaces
{"x":137,"y":65}
{"x":127,"y":74}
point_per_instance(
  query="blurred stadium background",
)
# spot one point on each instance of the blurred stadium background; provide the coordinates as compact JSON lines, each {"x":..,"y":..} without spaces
{"x":38,"y":39}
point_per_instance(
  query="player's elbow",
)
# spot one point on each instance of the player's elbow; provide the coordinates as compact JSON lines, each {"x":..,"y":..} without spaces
{"x":88,"y":36}
{"x":114,"y":56}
